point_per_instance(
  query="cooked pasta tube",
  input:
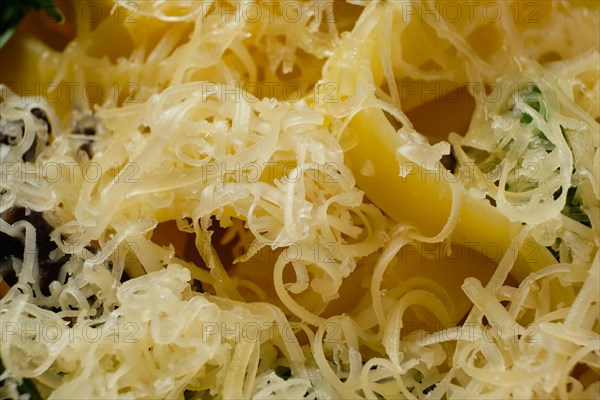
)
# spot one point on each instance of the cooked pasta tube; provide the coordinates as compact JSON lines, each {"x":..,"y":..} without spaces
{"x":421,"y":197}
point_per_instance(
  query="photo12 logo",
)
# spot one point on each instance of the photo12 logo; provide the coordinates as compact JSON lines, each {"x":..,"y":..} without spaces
{"x":470,"y":11}
{"x":53,"y":92}
{"x":254,"y":332}
{"x":270,"y":11}
{"x":67,"y":171}
{"x":37,"y":331}
{"x":254,"y":92}
{"x":253,"y":172}
{"x":491,"y":332}
{"x":93,"y":12}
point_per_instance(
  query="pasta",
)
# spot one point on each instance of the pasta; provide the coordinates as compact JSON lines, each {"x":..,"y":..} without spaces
{"x":240,"y":199}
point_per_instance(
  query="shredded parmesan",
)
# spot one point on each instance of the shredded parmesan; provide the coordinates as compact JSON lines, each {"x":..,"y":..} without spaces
{"x":231,"y":119}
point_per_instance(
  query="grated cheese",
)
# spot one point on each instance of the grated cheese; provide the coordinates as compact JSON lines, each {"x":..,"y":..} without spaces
{"x":206,"y":116}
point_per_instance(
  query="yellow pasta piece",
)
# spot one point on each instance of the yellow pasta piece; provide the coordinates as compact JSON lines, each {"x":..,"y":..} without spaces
{"x":424,"y":199}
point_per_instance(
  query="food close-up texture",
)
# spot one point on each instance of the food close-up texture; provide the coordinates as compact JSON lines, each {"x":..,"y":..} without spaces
{"x":302,"y":199}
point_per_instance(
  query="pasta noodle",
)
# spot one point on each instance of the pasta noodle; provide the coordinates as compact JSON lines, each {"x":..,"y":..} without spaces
{"x":234,"y":199}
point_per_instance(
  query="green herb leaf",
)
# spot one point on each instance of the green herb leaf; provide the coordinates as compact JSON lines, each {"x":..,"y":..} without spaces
{"x":573,"y":209}
{"x":531,"y":96}
{"x":13,"y":11}
{"x":540,"y":140}
{"x":27,"y":387}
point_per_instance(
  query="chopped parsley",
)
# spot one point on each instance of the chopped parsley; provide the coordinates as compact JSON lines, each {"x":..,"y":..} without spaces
{"x":531,"y":95}
{"x":573,"y":209}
